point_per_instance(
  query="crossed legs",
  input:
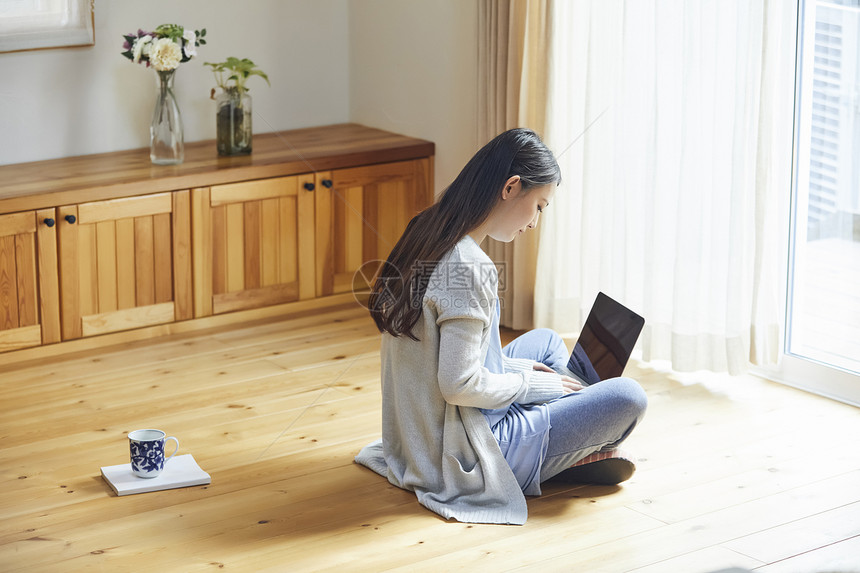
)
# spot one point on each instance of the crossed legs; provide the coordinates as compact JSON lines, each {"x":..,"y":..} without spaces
{"x":595,"y":419}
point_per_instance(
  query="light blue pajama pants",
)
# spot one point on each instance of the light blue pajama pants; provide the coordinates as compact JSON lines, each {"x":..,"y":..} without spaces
{"x":596,"y":418}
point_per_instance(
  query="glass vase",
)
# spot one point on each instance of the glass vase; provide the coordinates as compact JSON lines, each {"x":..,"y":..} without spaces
{"x":233,"y":122}
{"x":166,"y":145}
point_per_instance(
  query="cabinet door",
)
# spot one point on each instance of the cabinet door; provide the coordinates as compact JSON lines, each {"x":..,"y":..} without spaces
{"x":29,"y":303}
{"x":360,"y":214}
{"x":124,"y":263}
{"x":253,"y":244}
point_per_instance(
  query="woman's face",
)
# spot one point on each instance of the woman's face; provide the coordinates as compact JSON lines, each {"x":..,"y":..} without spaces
{"x":518,"y":210}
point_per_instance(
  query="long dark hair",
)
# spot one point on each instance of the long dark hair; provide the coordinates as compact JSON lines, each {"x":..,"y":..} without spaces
{"x":395,"y":301}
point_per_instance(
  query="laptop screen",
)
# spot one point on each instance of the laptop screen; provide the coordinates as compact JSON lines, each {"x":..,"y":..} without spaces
{"x":606,"y":341}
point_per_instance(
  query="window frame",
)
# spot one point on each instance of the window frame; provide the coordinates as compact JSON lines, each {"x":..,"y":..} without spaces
{"x":794,"y":370}
{"x":36,"y":24}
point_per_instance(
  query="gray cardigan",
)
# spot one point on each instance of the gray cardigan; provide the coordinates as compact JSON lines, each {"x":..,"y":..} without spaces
{"x":435,"y":440}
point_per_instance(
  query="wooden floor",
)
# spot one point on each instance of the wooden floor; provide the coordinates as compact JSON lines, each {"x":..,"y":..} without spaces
{"x":732,"y":471}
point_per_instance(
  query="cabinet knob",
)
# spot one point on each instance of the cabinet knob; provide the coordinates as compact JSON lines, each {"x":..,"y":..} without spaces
{"x":309,"y":186}
{"x":327,"y":183}
{"x":49,"y":222}
{"x":71,"y":219}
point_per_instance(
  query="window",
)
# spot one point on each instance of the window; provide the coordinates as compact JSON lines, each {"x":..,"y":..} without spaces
{"x":32,"y":24}
{"x":823,"y":314}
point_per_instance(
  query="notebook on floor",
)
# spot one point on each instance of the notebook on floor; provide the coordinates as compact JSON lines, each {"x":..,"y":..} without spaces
{"x":181,"y":471}
{"x":608,"y":336}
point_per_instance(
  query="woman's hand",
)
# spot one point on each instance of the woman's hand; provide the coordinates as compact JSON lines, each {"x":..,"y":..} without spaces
{"x":568,"y":384}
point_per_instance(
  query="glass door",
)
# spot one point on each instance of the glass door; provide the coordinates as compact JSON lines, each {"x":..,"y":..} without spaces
{"x":823,"y":310}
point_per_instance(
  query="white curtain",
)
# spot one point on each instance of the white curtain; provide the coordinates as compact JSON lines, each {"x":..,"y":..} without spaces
{"x":672,"y":200}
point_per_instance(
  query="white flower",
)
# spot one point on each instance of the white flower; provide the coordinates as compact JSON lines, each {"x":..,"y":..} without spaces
{"x":165,"y":54}
{"x":137,"y":49}
{"x":190,"y":48}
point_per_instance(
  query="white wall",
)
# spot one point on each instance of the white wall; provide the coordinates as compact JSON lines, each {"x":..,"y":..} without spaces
{"x":413,"y":70}
{"x":74,"y":101}
{"x":408,"y":66}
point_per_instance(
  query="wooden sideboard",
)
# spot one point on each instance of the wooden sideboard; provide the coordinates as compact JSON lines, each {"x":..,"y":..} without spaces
{"x":108,"y":248}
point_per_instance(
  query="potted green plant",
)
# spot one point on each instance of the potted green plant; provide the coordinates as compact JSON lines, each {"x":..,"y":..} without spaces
{"x":233,"y":104}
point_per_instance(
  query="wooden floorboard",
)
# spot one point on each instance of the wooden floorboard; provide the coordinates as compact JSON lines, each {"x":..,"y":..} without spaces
{"x":733,"y":471}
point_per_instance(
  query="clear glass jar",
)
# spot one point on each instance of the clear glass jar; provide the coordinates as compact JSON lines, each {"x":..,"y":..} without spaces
{"x":166,"y":145}
{"x":233,"y":122}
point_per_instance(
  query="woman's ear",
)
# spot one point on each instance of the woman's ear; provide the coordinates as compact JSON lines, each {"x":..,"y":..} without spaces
{"x":512,"y":187}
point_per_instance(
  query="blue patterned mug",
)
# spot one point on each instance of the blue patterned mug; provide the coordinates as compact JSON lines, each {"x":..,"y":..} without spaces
{"x":147,"y":452}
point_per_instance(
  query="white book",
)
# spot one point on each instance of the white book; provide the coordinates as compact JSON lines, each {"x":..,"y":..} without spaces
{"x":180,"y":471}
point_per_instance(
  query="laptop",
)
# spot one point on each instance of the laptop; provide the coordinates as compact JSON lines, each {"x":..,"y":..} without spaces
{"x":606,"y":341}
